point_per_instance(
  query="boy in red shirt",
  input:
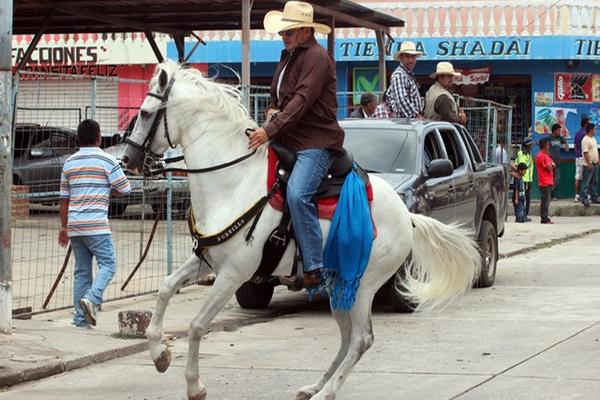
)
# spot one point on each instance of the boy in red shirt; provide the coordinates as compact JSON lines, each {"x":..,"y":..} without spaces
{"x":545,"y":167}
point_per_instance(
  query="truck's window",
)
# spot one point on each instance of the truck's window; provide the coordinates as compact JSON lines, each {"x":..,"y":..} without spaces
{"x":383,"y":150}
{"x":432,"y":148}
{"x":472,"y":147}
{"x":452,"y":147}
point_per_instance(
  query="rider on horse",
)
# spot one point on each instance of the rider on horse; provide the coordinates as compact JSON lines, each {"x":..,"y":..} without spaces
{"x":302,"y":118}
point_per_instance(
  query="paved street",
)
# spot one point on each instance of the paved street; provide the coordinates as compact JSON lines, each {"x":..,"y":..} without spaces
{"x":534,"y":335}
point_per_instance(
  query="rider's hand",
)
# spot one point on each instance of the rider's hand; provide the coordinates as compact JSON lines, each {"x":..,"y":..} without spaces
{"x":269,"y":113}
{"x":462,"y":118}
{"x":256,"y":138}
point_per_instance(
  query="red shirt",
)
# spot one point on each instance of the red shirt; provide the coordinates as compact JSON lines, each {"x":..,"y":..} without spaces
{"x":545,"y":176}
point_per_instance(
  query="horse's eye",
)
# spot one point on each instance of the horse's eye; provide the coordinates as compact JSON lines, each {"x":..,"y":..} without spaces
{"x":144,"y":114}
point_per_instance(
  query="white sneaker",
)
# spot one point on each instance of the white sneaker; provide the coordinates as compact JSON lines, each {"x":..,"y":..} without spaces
{"x":89,"y":311}
{"x":576,"y":199}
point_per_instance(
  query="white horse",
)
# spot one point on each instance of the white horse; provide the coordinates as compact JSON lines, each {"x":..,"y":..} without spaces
{"x":208,"y":121}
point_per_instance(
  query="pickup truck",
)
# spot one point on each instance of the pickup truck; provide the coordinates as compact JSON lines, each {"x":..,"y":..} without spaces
{"x":438,"y":171}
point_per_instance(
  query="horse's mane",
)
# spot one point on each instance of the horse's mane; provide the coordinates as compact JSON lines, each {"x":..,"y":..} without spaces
{"x":219,"y":102}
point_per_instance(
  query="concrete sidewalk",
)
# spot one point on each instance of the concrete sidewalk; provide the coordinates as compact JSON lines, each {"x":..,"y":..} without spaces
{"x":48,"y":344}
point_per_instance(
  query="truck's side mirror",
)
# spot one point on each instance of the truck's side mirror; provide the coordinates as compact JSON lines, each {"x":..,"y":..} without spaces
{"x":41,"y":153}
{"x":440,"y":168}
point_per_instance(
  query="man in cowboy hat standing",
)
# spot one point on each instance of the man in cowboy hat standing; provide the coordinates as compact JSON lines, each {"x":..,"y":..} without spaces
{"x":303,"y":94}
{"x":439,"y":101}
{"x":403,"y":94}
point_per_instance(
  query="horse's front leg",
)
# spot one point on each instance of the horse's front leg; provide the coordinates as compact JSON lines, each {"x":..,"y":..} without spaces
{"x":159,"y":351}
{"x":343,"y":320}
{"x":220,"y":293}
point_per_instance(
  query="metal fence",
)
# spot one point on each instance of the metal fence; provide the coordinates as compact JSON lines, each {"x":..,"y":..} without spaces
{"x":48,"y":108}
{"x":490,"y":123}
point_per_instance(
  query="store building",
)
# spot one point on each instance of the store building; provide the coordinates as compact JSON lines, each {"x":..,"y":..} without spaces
{"x":539,"y":58}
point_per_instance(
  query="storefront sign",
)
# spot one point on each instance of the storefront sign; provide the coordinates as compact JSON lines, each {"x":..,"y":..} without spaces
{"x":92,"y":69}
{"x":475,"y":76}
{"x":103,"y":52}
{"x":365,"y":49}
{"x":573,"y":88}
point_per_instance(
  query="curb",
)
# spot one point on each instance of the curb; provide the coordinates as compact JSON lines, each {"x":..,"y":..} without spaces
{"x":57,"y":367}
{"x":549,"y":243}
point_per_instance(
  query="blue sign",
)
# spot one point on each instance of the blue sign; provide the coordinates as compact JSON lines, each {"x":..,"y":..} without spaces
{"x":468,"y":48}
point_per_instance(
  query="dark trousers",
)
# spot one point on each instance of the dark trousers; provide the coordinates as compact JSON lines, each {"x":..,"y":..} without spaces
{"x":520,"y":210}
{"x":527,"y":197}
{"x":546,"y":192}
{"x":589,"y":184}
{"x":556,"y":180}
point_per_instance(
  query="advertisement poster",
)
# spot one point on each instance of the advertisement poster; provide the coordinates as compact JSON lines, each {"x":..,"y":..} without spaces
{"x":544,"y":98}
{"x":545,"y":117}
{"x":475,"y":76}
{"x":573,"y":88}
{"x":364,"y":80}
{"x":596,"y":88}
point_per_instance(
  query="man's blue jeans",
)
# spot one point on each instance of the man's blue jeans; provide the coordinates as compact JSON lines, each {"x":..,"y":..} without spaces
{"x":310,"y":168}
{"x":84,"y":249}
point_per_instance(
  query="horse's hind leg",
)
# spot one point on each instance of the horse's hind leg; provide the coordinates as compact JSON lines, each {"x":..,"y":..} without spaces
{"x":220,"y":293}
{"x":343,"y":320}
{"x":160,"y":353}
{"x":361,"y":339}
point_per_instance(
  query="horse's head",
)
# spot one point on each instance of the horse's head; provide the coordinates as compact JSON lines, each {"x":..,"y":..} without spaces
{"x":150,"y":136}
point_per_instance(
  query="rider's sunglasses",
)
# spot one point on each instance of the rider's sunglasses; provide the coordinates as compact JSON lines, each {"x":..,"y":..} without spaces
{"x":288,"y":33}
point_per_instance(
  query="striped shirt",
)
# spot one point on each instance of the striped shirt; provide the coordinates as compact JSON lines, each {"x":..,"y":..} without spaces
{"x":87,"y":178}
{"x":403,"y":94}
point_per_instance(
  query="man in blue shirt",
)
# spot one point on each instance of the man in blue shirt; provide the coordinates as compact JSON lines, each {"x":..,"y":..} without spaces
{"x":578,"y":156}
{"x":556,"y":142}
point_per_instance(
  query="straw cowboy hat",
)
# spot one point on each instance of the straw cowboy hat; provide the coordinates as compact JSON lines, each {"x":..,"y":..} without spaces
{"x":444,"y":68}
{"x":408,"y":48}
{"x":296,"y":14}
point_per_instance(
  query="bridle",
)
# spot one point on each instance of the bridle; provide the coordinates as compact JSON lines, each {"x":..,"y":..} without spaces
{"x":150,"y":156}
{"x":160,"y":113}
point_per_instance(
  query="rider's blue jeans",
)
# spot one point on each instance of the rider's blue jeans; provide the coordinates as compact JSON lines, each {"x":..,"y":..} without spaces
{"x":310,"y":168}
{"x":84,"y":249}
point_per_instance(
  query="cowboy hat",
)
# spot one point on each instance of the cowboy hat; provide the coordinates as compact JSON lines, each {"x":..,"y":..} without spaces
{"x":444,"y":68}
{"x":408,"y":48}
{"x":296,"y":14}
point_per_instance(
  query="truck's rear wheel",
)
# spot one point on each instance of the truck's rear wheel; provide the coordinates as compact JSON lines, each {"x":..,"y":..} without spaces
{"x":253,"y":295}
{"x":488,"y":249}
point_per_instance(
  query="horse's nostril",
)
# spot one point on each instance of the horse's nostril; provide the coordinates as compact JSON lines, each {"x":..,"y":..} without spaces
{"x":125,"y":160}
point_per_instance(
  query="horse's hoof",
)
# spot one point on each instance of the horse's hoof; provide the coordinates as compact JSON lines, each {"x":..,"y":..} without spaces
{"x":306,"y":393}
{"x":163,"y":362}
{"x":199,"y":396}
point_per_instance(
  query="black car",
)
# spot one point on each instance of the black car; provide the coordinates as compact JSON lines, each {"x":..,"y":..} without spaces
{"x":38,"y":157}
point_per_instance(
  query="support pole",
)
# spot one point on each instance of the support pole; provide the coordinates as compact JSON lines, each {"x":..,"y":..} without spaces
{"x":381,"y":57}
{"x":180,"y":44}
{"x":331,"y":37}
{"x":246,"y":8}
{"x":155,"y":49}
{"x":6,"y":14}
{"x":34,"y":42}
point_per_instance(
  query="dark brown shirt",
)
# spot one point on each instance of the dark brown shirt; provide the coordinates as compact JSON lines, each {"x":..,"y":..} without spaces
{"x":307,"y":100}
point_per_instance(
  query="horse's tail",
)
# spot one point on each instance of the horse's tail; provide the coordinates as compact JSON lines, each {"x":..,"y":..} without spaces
{"x":445,"y":263}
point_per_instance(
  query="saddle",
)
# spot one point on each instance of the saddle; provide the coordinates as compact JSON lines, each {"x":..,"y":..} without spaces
{"x":281,"y":163}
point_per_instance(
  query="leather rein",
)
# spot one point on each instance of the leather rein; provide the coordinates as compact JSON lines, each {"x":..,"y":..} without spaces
{"x":200,"y":241}
{"x":150,"y":156}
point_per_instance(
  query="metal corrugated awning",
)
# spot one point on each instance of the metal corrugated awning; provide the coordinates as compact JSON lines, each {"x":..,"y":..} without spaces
{"x":176,"y":17}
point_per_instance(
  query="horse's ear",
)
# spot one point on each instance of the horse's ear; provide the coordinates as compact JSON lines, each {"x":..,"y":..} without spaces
{"x":162,"y":79}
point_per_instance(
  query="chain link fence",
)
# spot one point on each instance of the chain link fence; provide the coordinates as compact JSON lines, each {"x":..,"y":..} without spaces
{"x":47,"y":109}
